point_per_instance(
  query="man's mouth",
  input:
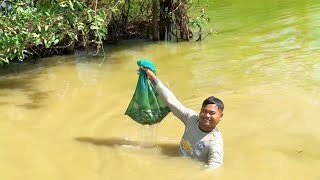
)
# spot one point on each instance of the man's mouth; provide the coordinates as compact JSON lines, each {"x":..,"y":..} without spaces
{"x":205,"y":120}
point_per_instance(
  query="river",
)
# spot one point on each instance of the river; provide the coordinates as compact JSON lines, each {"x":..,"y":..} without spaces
{"x":63,"y":118}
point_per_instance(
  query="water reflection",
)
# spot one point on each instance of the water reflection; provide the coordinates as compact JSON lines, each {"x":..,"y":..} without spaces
{"x":316,"y":72}
{"x":27,"y":95}
{"x":89,"y":71}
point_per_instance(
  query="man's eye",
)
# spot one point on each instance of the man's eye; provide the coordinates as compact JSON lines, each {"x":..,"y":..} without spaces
{"x":207,"y":112}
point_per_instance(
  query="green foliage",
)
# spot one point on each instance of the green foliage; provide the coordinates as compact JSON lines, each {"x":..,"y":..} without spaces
{"x":28,"y":27}
{"x":200,"y":20}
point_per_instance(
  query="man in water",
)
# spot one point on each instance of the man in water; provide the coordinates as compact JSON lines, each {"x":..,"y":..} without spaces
{"x":201,"y":139}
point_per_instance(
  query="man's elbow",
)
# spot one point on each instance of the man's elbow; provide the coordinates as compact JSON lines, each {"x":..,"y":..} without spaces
{"x":213,"y":165}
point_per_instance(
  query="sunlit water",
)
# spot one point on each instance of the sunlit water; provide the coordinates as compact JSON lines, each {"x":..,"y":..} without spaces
{"x":64,"y":117}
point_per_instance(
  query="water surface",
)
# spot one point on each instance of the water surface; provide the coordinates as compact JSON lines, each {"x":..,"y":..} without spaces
{"x":64,"y":117}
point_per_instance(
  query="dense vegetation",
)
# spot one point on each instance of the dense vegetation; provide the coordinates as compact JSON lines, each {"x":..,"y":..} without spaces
{"x":39,"y":28}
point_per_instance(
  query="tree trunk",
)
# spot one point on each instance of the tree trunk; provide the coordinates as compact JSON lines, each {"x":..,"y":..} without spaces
{"x":165,"y":22}
{"x":183,"y":21}
{"x":155,"y":13}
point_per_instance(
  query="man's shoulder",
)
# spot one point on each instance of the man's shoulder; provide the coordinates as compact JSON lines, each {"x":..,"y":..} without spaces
{"x":217,"y":136}
{"x":191,"y":117}
{"x":192,"y":113}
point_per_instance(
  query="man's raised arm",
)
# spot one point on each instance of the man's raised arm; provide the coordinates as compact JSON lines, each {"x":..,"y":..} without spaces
{"x":168,"y":97}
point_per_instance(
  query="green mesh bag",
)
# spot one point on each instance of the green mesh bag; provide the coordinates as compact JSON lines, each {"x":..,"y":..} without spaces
{"x":146,"y":107}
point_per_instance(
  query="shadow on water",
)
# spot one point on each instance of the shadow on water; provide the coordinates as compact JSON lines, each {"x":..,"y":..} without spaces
{"x":24,"y":84}
{"x":166,"y":148}
{"x":36,"y":100}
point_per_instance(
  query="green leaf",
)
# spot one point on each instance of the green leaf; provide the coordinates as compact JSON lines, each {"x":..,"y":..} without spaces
{"x":12,"y":56}
{"x":19,"y":10}
{"x":99,"y":19}
{"x":4,"y":59}
{"x":28,"y":52}
{"x":56,"y":41}
{"x":45,"y":43}
{"x":35,"y":35}
{"x":114,"y":10}
{"x":71,"y":5}
{"x":93,"y":27}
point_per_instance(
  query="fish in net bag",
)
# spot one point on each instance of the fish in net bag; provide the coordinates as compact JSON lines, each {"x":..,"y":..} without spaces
{"x":146,"y":106}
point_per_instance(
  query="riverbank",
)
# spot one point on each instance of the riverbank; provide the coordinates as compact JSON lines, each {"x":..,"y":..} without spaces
{"x":36,"y":30}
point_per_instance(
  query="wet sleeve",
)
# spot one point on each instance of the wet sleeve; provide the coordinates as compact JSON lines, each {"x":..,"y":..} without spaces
{"x":171,"y":101}
{"x":215,"y":156}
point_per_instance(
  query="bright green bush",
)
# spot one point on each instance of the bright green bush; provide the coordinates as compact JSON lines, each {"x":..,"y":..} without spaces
{"x":27,"y":28}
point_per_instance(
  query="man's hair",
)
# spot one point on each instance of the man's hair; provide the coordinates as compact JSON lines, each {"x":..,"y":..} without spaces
{"x":213,"y":100}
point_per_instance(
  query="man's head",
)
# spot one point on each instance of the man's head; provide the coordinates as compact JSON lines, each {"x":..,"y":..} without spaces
{"x":210,"y":114}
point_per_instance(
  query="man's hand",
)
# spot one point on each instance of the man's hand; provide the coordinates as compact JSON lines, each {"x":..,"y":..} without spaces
{"x":151,"y":76}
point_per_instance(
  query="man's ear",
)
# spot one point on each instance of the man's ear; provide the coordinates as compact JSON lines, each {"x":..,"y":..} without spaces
{"x":221,"y":117}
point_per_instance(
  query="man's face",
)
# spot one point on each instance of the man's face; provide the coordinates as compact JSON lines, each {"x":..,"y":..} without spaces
{"x":209,"y":117}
